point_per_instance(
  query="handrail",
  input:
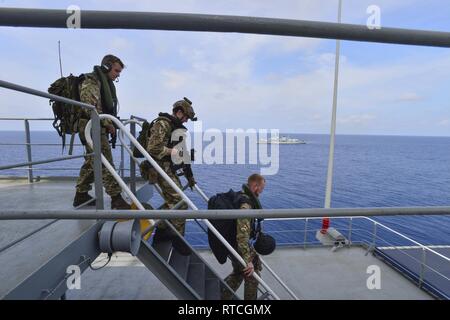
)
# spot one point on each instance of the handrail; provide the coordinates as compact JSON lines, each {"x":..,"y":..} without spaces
{"x":171,"y":183}
{"x":146,"y":155}
{"x":53,"y":18}
{"x":16,"y":87}
{"x":122,"y":142}
{"x":280,"y":281}
{"x":409,"y":239}
{"x":31,"y":163}
{"x":24,"y":164}
{"x":21,"y":119}
{"x":375,"y":222}
{"x":97,"y":166}
{"x":205,"y":197}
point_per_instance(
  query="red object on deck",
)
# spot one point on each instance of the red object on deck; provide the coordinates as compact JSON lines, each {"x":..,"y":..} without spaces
{"x":325,"y":225}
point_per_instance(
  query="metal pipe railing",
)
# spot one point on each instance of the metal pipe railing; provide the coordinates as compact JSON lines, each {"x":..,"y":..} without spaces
{"x":28,"y":145}
{"x":280,"y":281}
{"x":279,"y":214}
{"x":407,"y":238}
{"x":25,"y":164}
{"x":351,"y":230}
{"x":51,"y":18}
{"x":148,"y":157}
{"x":28,"y":149}
{"x":174,"y":187}
{"x":21,"y":119}
{"x":330,"y":172}
{"x":16,"y":87}
{"x":206,"y":199}
{"x":296,"y":214}
{"x":95,"y":131}
{"x":402,"y":250}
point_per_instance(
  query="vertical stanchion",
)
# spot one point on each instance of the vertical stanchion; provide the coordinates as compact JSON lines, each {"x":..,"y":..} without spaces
{"x":97,"y":159}
{"x":350,"y":224}
{"x":305,"y":236}
{"x":122,"y":160}
{"x":132,"y":164}
{"x":333,"y":119}
{"x":374,"y":240}
{"x":422,"y":266}
{"x":28,"y":146}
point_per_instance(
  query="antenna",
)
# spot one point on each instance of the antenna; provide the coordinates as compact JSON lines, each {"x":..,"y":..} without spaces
{"x":60,"y":63}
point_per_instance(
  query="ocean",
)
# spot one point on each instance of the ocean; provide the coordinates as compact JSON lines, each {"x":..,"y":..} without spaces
{"x":369,"y":171}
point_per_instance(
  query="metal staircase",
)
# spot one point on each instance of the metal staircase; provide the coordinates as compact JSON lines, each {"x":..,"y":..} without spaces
{"x":188,"y":277}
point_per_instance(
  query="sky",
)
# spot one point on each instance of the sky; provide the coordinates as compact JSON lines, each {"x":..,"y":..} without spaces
{"x":246,"y":81}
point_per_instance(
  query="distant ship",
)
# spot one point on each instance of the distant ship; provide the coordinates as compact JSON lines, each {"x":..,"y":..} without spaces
{"x":282,"y":140}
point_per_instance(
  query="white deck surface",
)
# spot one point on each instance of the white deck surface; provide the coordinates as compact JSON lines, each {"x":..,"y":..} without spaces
{"x":314,"y":273}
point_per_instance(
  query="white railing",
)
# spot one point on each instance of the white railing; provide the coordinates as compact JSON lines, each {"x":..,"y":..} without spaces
{"x":125,"y":188}
{"x":204,"y":197}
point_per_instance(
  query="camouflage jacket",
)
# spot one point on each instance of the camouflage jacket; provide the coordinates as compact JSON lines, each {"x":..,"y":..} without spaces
{"x":159,"y":139}
{"x":90,"y":92}
{"x":243,"y":232}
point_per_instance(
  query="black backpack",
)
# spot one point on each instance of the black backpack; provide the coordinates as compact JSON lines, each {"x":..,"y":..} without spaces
{"x":226,"y":227}
{"x":142,"y":138}
{"x":66,"y":116}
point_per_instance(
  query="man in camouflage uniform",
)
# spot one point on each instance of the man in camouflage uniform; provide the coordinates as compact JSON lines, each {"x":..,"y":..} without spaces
{"x":161,"y":147}
{"x":92,"y":91}
{"x":251,"y":191}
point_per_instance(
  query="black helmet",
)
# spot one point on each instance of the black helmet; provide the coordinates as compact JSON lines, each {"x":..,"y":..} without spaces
{"x":264,"y":244}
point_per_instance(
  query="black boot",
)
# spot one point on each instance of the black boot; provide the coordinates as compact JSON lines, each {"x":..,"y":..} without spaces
{"x":162,"y":235}
{"x":180,"y":246}
{"x":118,"y":203}
{"x":82,"y":197}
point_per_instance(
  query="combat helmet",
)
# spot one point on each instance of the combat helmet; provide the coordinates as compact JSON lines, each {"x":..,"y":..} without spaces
{"x":264,"y":244}
{"x":186,"y":106}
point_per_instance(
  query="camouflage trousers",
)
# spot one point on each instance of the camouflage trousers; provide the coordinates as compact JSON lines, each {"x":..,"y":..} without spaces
{"x":234,"y":280}
{"x":171,"y":197}
{"x":86,"y":178}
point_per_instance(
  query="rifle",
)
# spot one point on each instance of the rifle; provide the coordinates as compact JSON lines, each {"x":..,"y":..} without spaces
{"x":113,"y":140}
{"x":185,"y":169}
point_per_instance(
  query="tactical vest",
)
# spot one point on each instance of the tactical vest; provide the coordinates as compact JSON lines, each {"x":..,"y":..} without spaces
{"x":175,"y":124}
{"x":144,"y":134}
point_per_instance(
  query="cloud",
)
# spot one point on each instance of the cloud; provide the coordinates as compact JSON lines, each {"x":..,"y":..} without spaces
{"x":173,"y":79}
{"x":118,"y":44}
{"x":357,"y":119}
{"x":234,"y":80}
{"x":409,"y":97}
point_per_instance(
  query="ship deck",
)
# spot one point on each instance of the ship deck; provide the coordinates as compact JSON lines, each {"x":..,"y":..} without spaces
{"x":311,"y":273}
{"x":314,"y":272}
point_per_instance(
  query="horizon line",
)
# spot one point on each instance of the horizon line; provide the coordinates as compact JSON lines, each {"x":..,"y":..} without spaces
{"x":305,"y":133}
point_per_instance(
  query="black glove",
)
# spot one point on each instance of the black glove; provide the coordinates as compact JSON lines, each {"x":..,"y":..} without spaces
{"x":191,"y":182}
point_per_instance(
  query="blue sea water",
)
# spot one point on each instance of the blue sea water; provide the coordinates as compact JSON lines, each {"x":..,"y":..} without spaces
{"x":370,"y":171}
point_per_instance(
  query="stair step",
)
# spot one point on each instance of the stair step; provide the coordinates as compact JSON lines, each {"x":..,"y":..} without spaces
{"x":163,"y":248}
{"x":195,"y":259}
{"x":179,"y":263}
{"x":196,"y":278}
{"x":213,"y":289}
